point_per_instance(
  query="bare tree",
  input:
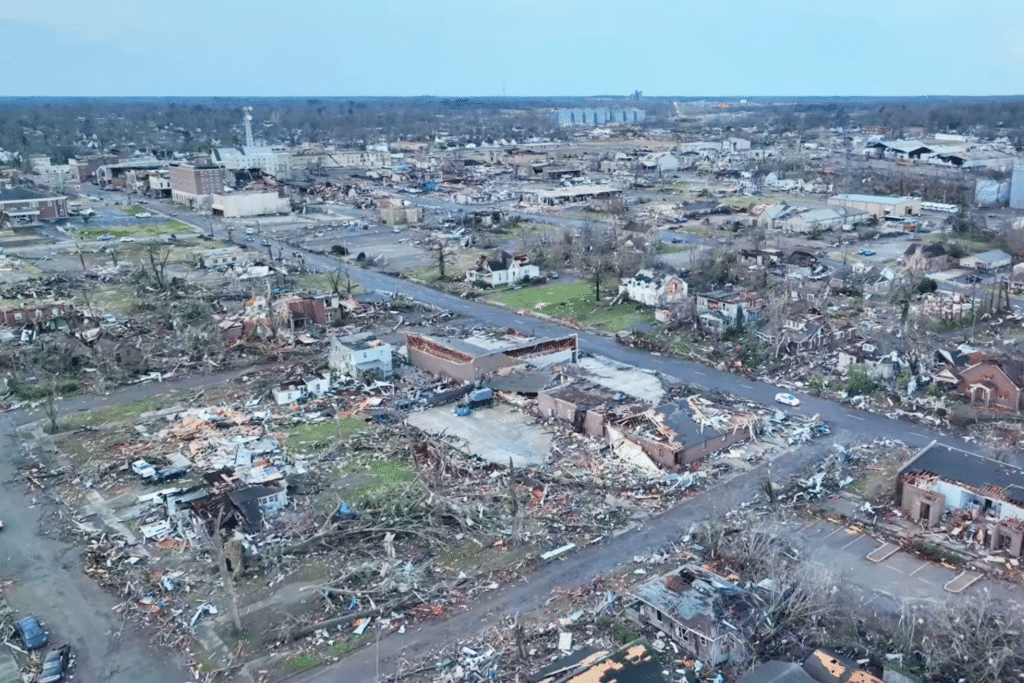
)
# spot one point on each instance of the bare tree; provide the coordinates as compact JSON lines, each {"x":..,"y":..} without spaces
{"x":50,"y":407}
{"x":442,"y":255}
{"x":220,"y":557}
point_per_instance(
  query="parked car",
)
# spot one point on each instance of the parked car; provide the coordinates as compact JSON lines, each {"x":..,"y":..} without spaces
{"x":105,"y":238}
{"x":127,"y":239}
{"x":110,"y":319}
{"x":144,"y":214}
{"x":143,"y":469}
{"x":169,"y":474}
{"x":867,"y":252}
{"x":56,"y":664}
{"x":31,"y":633}
{"x":265,"y":242}
{"x":787,"y":399}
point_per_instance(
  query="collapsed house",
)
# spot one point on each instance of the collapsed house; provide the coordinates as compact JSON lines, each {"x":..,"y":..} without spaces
{"x":473,"y":357}
{"x":688,"y":604}
{"x":983,"y":498}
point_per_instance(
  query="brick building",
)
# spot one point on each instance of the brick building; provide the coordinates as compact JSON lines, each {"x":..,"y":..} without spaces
{"x":994,"y":383}
{"x":196,"y":185}
{"x":19,"y":205}
{"x":979,"y":492}
{"x":469,"y":359}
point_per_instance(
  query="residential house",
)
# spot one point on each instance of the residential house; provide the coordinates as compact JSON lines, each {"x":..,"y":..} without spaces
{"x":827,"y":667}
{"x":651,"y":290}
{"x":360,"y":356}
{"x":805,"y":332}
{"x":984,"y":496}
{"x":254,"y":504}
{"x":318,"y":309}
{"x":317,"y":386}
{"x":633,"y":663}
{"x":765,"y":258}
{"x":721,"y":310}
{"x":688,"y":605}
{"x":40,"y":317}
{"x":776,"y":672}
{"x":224,"y":257}
{"x":993,"y":383}
{"x":926,"y":258}
{"x":987,"y":260}
{"x":287,"y":394}
{"x":503,"y":269}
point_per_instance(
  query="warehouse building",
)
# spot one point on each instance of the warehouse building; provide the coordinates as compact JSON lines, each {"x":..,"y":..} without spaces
{"x":877,"y":205}
{"x":242,"y":204}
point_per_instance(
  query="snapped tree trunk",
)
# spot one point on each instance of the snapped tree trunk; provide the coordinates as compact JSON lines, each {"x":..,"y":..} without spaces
{"x":225,"y":573}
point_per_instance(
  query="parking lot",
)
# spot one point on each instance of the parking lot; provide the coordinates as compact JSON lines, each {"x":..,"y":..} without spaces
{"x":320,"y":232}
{"x":896,"y":574}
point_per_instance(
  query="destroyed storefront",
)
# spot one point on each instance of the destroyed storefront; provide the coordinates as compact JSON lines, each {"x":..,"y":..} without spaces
{"x":688,"y":440}
{"x":977,"y":499}
{"x":471,"y":358}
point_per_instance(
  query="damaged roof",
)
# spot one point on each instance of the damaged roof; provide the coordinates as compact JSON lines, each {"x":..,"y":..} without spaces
{"x":777,"y":672}
{"x":986,"y":476}
{"x":634,"y":663}
{"x":688,"y":595}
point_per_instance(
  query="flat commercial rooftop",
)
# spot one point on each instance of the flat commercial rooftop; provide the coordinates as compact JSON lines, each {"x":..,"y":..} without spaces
{"x":968,"y":468}
{"x":494,"y":433}
{"x":877,"y":199}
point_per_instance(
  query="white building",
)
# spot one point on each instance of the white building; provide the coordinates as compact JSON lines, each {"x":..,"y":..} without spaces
{"x":287,"y":394}
{"x":662,"y":162}
{"x":273,"y":161}
{"x":735,"y":145}
{"x":360,"y":355}
{"x":242,"y":204}
{"x":649,"y":290}
{"x":987,"y":260}
{"x":317,"y":386}
{"x":225,"y":256}
{"x":503,"y":269}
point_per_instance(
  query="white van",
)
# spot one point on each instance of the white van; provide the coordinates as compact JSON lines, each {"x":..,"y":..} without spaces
{"x":250,"y":231}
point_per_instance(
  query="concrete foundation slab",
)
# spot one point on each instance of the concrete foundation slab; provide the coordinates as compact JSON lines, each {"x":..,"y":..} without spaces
{"x":625,"y":378}
{"x":495,"y":433}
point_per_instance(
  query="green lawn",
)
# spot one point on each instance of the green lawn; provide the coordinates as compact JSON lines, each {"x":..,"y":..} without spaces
{"x":119,"y":413}
{"x":141,"y":230}
{"x":575,"y":301}
{"x":319,"y":434}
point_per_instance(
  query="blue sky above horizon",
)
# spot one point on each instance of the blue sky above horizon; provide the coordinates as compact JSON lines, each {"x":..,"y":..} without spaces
{"x":534,"y":47}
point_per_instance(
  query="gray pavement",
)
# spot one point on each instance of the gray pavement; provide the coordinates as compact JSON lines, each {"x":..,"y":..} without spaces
{"x":47,"y":580}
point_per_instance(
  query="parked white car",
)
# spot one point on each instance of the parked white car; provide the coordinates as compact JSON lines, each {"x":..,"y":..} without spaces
{"x":787,"y":399}
{"x":144,"y":214}
{"x":143,"y":469}
{"x":127,"y":239}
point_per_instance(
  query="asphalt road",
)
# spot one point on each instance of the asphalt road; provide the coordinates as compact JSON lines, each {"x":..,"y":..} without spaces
{"x":47,"y":580}
{"x":582,"y":567}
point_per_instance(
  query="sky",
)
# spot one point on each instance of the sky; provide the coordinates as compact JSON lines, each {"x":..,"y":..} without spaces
{"x":526,"y":47}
